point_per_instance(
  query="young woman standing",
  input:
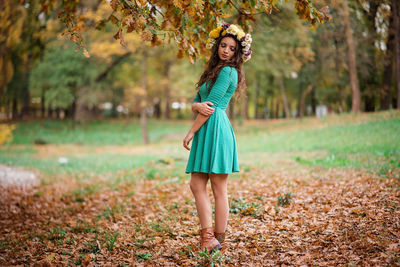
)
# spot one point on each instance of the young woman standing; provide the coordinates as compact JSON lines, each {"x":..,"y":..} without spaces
{"x":213,"y":152}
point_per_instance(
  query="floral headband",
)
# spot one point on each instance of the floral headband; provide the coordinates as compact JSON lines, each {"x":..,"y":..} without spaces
{"x":244,"y":39}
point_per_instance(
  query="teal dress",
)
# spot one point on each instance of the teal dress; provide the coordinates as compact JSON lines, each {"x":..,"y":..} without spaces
{"x":213,"y":147}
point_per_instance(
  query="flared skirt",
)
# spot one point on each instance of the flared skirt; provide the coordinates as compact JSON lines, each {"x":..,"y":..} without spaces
{"x":213,"y":147}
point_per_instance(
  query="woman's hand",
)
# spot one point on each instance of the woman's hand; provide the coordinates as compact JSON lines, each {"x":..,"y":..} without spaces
{"x":204,"y":108}
{"x":187,"y":140}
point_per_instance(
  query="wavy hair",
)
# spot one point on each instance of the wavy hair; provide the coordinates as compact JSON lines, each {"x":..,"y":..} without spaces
{"x":215,"y":64}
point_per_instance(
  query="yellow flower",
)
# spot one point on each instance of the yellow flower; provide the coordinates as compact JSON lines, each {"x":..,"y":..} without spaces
{"x":214,"y":33}
{"x":223,"y":33}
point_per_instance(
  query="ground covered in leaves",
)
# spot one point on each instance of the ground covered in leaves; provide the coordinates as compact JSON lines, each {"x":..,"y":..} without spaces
{"x":307,"y":216}
{"x":318,"y":192}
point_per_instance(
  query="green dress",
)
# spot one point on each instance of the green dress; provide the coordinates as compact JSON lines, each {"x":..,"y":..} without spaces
{"x":213,"y":147}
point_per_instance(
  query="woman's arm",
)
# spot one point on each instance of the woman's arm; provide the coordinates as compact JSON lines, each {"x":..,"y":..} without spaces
{"x":194,"y":107}
{"x":203,"y":108}
{"x":196,"y":100}
{"x":218,"y":90}
{"x":198,"y":122}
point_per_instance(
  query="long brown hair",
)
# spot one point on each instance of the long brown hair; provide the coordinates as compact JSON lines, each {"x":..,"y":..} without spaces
{"x":215,"y":64}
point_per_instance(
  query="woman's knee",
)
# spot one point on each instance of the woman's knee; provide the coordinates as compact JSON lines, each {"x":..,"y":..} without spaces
{"x":198,"y":183}
{"x":219,"y":185}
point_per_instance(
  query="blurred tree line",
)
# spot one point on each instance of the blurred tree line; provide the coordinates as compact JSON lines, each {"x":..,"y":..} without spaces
{"x":348,"y":63}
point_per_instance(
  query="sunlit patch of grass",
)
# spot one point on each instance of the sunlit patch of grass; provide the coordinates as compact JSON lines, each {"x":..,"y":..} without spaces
{"x":100,"y":132}
{"x":331,"y":161}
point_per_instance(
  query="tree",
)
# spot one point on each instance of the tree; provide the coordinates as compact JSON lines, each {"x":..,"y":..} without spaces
{"x":21,"y":44}
{"x":64,"y":78}
{"x":396,"y":18}
{"x":283,"y":46}
{"x":186,"y":22}
{"x":351,"y":57}
{"x":388,"y":61}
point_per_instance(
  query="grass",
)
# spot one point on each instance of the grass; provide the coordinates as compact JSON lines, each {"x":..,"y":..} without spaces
{"x":102,"y":163}
{"x":111,"y":239}
{"x":243,"y":207}
{"x":370,"y":141}
{"x":369,"y":137}
{"x":123,"y":132}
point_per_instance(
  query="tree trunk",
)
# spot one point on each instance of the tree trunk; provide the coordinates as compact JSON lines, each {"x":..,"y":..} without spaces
{"x":42,"y":104}
{"x":7,"y":109}
{"x":284,"y":97}
{"x":277,"y":108}
{"x":245,"y":106}
{"x":265,"y":104}
{"x":388,"y":67}
{"x":256,"y":96}
{"x":337,"y":71}
{"x":351,"y":60}
{"x":143,"y":115}
{"x":73,"y":109}
{"x":167,"y":68}
{"x":396,"y":20}
{"x":272,"y":112}
{"x":26,"y":94}
{"x":14,"y":108}
{"x":303,"y":100}
{"x":371,"y":90}
{"x":81,"y":114}
{"x":157,"y":108}
{"x":271,"y":107}
{"x":313,"y":101}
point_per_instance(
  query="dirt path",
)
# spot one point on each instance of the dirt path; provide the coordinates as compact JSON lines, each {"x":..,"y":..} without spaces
{"x":11,"y":176}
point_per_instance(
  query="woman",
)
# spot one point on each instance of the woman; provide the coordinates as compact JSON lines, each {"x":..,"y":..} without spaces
{"x":213,"y":152}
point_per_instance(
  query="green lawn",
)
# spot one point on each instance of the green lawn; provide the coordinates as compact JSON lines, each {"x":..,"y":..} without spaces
{"x":370,"y":141}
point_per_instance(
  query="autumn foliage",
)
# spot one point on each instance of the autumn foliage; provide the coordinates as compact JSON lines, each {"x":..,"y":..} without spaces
{"x":185,"y":22}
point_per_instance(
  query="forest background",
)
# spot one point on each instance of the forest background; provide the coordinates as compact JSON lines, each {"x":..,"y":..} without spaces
{"x":348,"y":63}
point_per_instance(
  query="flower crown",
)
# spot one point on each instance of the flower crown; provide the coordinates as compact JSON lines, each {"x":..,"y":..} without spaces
{"x":226,"y":28}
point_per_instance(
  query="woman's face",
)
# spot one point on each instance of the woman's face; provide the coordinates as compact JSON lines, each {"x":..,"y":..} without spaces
{"x":226,"y":48}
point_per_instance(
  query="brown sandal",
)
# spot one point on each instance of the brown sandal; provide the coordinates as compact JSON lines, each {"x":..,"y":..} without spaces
{"x":221,"y":238}
{"x":208,"y":240}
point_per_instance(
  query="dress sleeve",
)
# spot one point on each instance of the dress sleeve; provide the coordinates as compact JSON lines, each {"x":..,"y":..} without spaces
{"x":197,"y":98}
{"x":220,"y":86}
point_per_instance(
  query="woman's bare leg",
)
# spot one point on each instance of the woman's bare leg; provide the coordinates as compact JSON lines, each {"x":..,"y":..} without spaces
{"x":198,"y":185}
{"x":219,"y":184}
